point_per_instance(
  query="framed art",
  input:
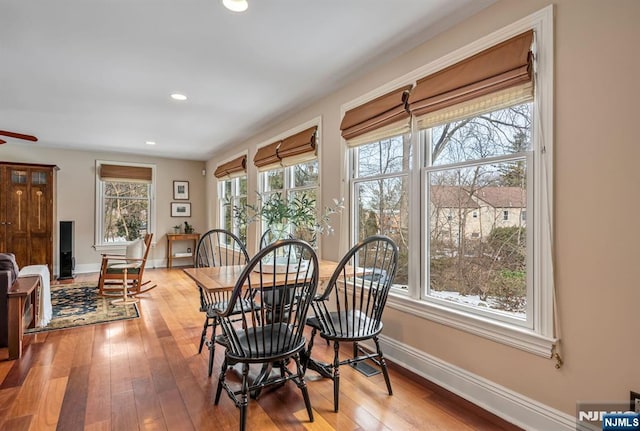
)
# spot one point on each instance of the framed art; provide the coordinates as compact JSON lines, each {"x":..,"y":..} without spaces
{"x":180,"y":209}
{"x":181,"y":190}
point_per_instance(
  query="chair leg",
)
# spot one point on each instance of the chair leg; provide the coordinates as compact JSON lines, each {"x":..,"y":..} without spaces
{"x":212,"y":345}
{"x":203,"y":336}
{"x":244,"y":396}
{"x":383,"y":365}
{"x":303,"y":387}
{"x":306,"y":355}
{"x":221,"y":378}
{"x":336,"y":376}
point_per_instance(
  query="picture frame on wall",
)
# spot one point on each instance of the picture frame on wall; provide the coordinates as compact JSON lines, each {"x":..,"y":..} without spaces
{"x":181,"y":190}
{"x":180,"y":209}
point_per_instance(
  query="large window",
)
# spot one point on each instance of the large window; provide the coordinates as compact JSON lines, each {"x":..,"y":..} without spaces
{"x":479,"y":166}
{"x":465,"y":190}
{"x":124,"y":202}
{"x":233,"y":193}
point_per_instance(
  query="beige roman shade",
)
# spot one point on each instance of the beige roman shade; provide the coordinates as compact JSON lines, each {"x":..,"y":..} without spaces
{"x":299,"y":148}
{"x":379,"y":118}
{"x":267,"y":157}
{"x":126,"y":173}
{"x":497,"y":77}
{"x":232,"y":168}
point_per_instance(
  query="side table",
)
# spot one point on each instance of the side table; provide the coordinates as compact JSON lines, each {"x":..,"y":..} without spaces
{"x":173,"y":237}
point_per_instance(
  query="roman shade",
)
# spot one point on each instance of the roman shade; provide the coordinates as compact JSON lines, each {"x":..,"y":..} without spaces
{"x":492,"y":79}
{"x":138,"y":174}
{"x":267,"y":157}
{"x":379,"y":118}
{"x":298,"y":148}
{"x":232,"y":168}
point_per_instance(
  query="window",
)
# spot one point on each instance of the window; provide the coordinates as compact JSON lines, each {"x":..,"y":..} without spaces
{"x":380,"y":189}
{"x":125,"y":202}
{"x":479,"y":164}
{"x":466,"y":194}
{"x":232,"y":193}
{"x":290,"y":182}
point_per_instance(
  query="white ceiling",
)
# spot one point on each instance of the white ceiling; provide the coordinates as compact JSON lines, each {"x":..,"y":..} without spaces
{"x":97,"y":74}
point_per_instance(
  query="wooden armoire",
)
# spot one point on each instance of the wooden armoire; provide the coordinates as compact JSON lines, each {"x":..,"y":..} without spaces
{"x":27,"y":212}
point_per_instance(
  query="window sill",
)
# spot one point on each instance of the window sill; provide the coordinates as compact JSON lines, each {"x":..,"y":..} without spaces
{"x":519,"y":338}
{"x":110,"y":248}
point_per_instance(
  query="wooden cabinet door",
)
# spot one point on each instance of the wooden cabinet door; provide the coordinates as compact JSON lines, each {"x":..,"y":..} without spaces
{"x":16,"y":214}
{"x":27,"y":213}
{"x":3,"y":207}
{"x":40,"y":216}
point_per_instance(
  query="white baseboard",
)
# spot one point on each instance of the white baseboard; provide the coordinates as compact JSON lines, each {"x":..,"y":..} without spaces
{"x":95,"y":267}
{"x":511,"y":406}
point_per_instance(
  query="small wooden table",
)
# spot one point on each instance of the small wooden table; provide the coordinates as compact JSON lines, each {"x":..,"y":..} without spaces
{"x":172,"y":237}
{"x":23,"y":288}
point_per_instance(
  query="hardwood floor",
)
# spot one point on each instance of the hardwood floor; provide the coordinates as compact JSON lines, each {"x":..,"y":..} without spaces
{"x":146,"y":374}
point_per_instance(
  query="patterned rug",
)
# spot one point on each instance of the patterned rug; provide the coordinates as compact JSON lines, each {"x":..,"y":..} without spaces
{"x":79,"y":304}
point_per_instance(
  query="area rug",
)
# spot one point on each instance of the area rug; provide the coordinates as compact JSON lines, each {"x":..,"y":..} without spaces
{"x":79,"y":304}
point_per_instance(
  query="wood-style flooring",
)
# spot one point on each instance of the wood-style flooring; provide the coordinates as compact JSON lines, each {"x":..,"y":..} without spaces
{"x":146,"y":374}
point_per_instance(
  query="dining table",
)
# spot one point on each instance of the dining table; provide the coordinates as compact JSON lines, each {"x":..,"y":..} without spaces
{"x":218,"y":279}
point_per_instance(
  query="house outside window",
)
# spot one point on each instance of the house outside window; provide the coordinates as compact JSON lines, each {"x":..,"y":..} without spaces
{"x":125,"y":202}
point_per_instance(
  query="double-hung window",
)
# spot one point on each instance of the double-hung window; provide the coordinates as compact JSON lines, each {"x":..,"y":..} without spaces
{"x":232,"y":193}
{"x":297,"y":181}
{"x":125,"y":202}
{"x":289,"y":168}
{"x":465,"y":191}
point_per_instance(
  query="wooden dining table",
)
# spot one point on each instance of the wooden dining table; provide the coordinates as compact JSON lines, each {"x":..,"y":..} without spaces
{"x":224,"y":278}
{"x":221,"y":278}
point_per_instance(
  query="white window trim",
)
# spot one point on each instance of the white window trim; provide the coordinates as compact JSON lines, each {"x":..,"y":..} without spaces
{"x":98,"y":245}
{"x":539,"y":340}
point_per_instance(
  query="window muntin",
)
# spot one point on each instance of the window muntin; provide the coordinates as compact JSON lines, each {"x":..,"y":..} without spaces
{"x":380,"y":196}
{"x":233,"y":193}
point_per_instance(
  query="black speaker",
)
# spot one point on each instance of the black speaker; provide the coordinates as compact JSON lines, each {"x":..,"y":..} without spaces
{"x":67,"y":261}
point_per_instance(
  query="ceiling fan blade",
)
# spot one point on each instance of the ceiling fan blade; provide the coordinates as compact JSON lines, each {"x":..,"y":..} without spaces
{"x":18,"y":136}
{"x":2,"y":142}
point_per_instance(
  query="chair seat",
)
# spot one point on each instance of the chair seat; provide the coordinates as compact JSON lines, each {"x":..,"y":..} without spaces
{"x":120,"y":271}
{"x":243,"y":304}
{"x":351,"y":326}
{"x":264,"y":343}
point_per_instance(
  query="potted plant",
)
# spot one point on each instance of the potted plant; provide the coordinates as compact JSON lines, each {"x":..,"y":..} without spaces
{"x":176,"y":229}
{"x":297,"y":216}
{"x":188,"y":228}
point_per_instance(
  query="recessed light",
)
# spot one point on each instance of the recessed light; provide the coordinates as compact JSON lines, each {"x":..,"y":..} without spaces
{"x":236,"y":5}
{"x":150,"y":143}
{"x":178,"y":96}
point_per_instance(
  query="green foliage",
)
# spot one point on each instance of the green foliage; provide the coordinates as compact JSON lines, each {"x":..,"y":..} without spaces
{"x":129,"y":228}
{"x":299,"y":212}
{"x":509,"y":289}
{"x":509,"y":245}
